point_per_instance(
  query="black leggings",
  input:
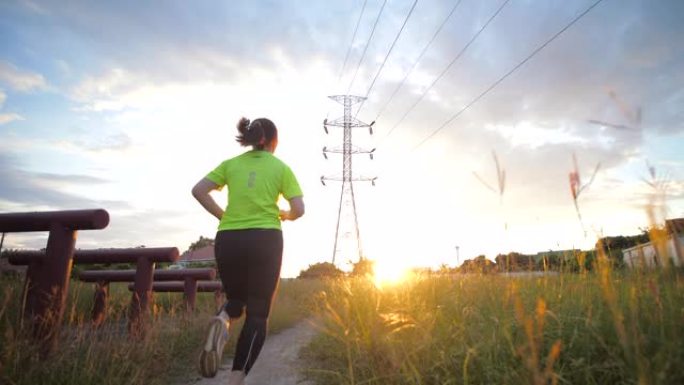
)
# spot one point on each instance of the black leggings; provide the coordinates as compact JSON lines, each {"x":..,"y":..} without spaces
{"x":249,"y":265}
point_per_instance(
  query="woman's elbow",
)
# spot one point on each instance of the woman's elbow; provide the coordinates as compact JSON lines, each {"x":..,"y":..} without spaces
{"x":297,"y":208}
{"x":299,"y":211}
{"x":197,"y":191}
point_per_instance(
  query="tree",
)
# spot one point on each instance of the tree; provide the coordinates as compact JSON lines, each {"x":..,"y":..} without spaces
{"x":514,"y":261}
{"x":612,"y":247}
{"x":581,"y":261}
{"x":320,"y":270}
{"x":200,"y":243}
{"x":479,"y":264}
{"x":362,"y":268}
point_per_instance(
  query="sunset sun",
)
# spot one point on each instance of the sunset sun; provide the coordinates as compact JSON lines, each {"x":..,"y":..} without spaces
{"x":388,"y":273}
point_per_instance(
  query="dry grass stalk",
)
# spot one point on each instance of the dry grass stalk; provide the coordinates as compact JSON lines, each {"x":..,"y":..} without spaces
{"x":577,"y":187}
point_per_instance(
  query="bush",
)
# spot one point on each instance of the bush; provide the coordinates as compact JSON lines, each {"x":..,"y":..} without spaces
{"x":320,"y":270}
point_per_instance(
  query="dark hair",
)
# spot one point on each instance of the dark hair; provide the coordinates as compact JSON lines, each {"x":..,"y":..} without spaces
{"x":258,"y":133}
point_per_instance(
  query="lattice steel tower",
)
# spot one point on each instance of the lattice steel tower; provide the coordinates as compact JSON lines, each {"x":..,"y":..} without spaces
{"x":347,"y":230}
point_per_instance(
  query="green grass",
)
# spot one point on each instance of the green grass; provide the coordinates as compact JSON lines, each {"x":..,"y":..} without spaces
{"x":595,"y":328}
{"x":600,"y":327}
{"x":109,"y":355}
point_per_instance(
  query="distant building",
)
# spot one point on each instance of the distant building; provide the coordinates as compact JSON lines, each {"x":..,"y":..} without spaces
{"x":203,"y":254}
{"x":651,"y":254}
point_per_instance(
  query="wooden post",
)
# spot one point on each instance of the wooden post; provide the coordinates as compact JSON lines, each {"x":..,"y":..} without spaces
{"x":190,"y":293}
{"x":49,"y":284}
{"x":100,"y":303}
{"x":142,"y":297}
{"x":47,"y":281}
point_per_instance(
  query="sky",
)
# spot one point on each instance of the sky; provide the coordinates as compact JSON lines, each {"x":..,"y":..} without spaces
{"x":126,"y":105}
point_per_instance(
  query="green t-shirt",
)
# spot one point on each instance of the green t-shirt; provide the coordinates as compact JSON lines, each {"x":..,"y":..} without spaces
{"x":255,"y":181}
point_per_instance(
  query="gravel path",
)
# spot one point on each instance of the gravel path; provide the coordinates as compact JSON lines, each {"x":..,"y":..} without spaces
{"x":277,"y":363}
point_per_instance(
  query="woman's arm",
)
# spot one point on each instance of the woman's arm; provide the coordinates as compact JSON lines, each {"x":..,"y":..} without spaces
{"x":296,"y":209}
{"x":201,"y":193}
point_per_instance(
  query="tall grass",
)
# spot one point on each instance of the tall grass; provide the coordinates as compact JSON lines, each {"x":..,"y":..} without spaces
{"x":108,"y":355}
{"x":594,"y":328}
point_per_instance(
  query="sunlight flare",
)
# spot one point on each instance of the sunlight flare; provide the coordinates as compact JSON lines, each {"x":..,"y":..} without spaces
{"x":389,"y":273}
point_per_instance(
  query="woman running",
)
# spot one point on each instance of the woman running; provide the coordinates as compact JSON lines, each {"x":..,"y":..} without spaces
{"x":249,"y":242}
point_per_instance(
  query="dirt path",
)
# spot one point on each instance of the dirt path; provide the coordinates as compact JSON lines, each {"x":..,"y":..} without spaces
{"x":278,"y":361}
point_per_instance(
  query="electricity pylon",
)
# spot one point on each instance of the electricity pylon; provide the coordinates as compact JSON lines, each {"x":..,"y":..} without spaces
{"x":347,"y":230}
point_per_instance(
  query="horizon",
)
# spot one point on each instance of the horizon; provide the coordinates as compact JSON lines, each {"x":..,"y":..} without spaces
{"x":126,"y":106}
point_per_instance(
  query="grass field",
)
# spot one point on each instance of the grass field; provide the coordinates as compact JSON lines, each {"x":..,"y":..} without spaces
{"x":109,"y":356}
{"x":600,"y":327}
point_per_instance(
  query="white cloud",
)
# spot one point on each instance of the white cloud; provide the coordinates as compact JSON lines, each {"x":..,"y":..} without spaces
{"x":529,"y":134}
{"x":64,"y":67}
{"x":96,"y":145}
{"x":20,"y":80}
{"x":95,"y":91}
{"x":7,"y":118}
{"x":23,"y":186}
{"x":33,"y":7}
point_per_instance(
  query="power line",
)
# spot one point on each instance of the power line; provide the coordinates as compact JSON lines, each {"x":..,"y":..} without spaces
{"x":446,"y":69}
{"x":415,"y":63}
{"x":366,"y":47}
{"x":346,"y":57}
{"x":408,"y":16}
{"x":507,"y":74}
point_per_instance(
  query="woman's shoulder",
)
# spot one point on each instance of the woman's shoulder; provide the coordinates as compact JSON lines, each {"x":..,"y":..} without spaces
{"x":238,"y":157}
{"x":226,"y":163}
{"x":281,"y":163}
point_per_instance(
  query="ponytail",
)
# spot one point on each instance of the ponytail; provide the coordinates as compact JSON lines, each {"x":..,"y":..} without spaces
{"x":258,"y":133}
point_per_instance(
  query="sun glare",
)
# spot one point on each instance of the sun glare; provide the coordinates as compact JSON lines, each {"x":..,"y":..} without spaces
{"x":387,"y":274}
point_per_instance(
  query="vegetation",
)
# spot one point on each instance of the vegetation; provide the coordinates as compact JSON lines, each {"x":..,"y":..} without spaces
{"x":200,"y":243}
{"x":362,"y":268}
{"x":588,"y":322}
{"x":597,"y":327}
{"x":108,"y":355}
{"x":320,"y":270}
{"x":575,"y":261}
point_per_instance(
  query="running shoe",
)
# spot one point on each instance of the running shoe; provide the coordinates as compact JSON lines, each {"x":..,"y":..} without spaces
{"x":210,"y":358}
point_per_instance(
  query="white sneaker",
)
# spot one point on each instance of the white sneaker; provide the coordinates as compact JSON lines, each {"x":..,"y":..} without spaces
{"x":210,"y":358}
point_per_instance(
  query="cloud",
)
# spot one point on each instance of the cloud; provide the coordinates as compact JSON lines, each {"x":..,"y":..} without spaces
{"x":8,"y":118}
{"x":127,"y":228}
{"x":20,"y":80}
{"x":207,"y":44}
{"x":148,"y":228}
{"x":167,"y":81}
{"x":33,"y":7}
{"x":566,"y":82}
{"x":98,"y":93}
{"x":116,"y":142}
{"x":26,"y":188}
{"x":69,"y":178}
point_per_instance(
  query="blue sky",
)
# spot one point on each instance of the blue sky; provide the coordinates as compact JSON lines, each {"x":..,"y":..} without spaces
{"x":124,"y":106}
